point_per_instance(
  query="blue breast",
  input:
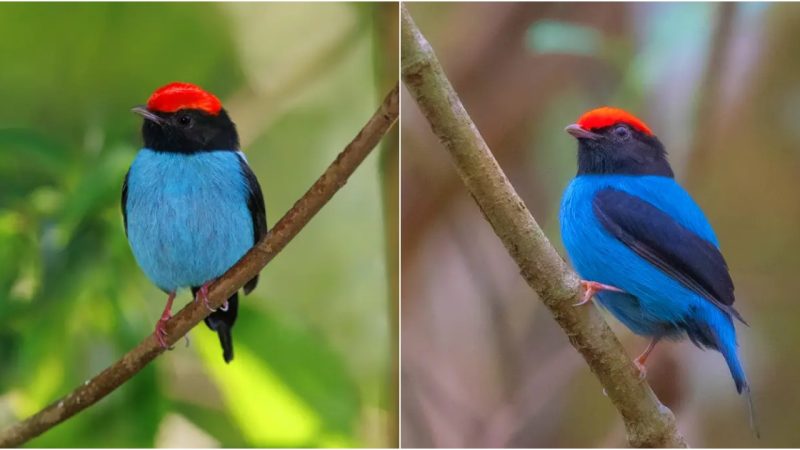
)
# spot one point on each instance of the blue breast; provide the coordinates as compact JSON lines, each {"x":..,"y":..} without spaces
{"x":657,"y":303}
{"x":187,"y":216}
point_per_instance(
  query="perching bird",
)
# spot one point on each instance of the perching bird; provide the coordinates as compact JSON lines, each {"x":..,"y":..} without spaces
{"x":191,"y":205}
{"x":642,"y":245}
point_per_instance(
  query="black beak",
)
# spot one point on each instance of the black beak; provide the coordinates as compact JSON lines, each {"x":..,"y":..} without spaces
{"x":144,"y":112}
{"x":579,"y":133}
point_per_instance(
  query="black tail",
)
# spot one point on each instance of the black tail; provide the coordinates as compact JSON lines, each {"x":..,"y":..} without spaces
{"x":222,"y":321}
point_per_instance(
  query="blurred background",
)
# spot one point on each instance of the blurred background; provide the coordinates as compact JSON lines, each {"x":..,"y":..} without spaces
{"x":314,"y":345}
{"x":483,"y":361}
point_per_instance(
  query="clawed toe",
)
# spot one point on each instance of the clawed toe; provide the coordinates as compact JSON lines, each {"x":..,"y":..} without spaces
{"x":202,"y":293}
{"x":593,"y":287}
{"x":642,"y":369}
{"x":641,"y":359}
{"x":587,"y":298}
{"x":161,"y":334}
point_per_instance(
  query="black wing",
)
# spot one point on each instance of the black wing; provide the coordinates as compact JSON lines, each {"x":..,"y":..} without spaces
{"x":255,"y":203}
{"x":124,"y":201}
{"x":673,"y":248}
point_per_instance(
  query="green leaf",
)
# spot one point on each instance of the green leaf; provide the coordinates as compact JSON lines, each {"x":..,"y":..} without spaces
{"x":285,"y":387}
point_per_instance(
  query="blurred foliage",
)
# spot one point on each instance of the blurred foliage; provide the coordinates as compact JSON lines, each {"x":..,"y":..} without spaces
{"x":311,"y":342}
{"x":548,"y":36}
{"x":483,"y":362}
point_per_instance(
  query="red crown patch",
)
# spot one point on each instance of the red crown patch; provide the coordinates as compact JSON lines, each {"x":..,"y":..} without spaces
{"x":608,"y":116}
{"x":177,"y":96}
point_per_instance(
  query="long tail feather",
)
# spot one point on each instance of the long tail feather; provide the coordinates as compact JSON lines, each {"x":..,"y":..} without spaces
{"x":752,"y":410}
{"x":726,"y":344}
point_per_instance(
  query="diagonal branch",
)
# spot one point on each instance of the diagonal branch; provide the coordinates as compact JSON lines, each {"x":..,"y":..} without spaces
{"x":334,"y":177}
{"x":647,"y":421}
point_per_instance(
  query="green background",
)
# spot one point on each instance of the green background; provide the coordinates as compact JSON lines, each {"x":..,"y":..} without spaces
{"x":312,"y":341}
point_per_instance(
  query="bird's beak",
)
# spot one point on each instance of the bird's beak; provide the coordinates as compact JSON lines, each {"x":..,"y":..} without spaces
{"x":579,"y":133}
{"x":144,"y":112}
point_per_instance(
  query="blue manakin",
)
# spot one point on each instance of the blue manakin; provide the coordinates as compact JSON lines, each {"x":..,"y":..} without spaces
{"x":191,"y":205}
{"x":642,"y":245}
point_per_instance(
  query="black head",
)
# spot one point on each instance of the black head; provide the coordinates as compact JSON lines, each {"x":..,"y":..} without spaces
{"x":611,"y":141}
{"x":188,"y":131}
{"x":183,"y":118}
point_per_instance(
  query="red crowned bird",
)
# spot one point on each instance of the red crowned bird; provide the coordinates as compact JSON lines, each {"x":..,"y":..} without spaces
{"x":192,"y":207}
{"x":644,"y":248}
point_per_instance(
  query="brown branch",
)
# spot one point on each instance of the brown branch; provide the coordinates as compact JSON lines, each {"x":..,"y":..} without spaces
{"x":647,"y":421}
{"x":334,"y":177}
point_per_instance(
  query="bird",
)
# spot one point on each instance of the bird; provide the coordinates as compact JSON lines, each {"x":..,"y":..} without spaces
{"x":191,"y":204}
{"x":642,"y":246}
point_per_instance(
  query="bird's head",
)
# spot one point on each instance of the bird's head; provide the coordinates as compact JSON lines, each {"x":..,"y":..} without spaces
{"x":183,"y":118}
{"x":613,"y":141}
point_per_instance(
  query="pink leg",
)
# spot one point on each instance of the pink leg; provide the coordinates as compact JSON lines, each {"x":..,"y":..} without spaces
{"x":641,"y":359}
{"x":161,"y":330}
{"x":202,"y":294}
{"x":593,"y":287}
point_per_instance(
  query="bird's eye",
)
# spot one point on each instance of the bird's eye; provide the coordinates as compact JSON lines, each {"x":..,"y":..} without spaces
{"x":185,"y":120}
{"x":622,"y":132}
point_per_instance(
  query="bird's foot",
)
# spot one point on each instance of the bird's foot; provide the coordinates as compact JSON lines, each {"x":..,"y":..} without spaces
{"x":202,"y":294}
{"x":161,"y":333}
{"x":641,"y":359}
{"x":642,"y":369}
{"x":161,"y":326}
{"x":592,"y":287}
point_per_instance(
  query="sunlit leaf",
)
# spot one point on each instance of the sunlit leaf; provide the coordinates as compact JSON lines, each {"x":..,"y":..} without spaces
{"x":252,"y":389}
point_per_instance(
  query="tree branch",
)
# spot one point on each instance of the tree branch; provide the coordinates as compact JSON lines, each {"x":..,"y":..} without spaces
{"x":334,"y":177}
{"x":647,"y":421}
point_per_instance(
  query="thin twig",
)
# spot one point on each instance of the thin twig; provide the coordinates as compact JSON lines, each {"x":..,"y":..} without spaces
{"x":334,"y":177}
{"x":386,"y":17}
{"x":647,"y":421}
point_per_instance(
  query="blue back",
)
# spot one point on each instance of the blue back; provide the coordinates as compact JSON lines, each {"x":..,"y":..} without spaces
{"x":664,"y":193}
{"x":187,"y":215}
{"x":654,"y":303}
{"x":658,"y":302}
